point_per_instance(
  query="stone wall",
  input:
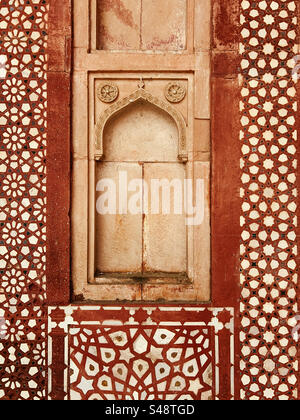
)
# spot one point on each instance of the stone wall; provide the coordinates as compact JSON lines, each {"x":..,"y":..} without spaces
{"x":240,"y":345}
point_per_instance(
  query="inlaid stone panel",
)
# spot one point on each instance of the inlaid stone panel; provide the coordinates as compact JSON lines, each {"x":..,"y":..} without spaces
{"x":269,"y":255}
{"x":140,"y":363}
{"x":143,"y":352}
{"x":23,"y":138}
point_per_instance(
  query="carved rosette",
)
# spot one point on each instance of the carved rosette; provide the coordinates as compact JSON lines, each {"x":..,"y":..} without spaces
{"x":175,"y":92}
{"x":108,"y":92}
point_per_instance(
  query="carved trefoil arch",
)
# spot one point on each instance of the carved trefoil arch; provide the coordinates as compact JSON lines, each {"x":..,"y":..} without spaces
{"x":140,"y":94}
{"x":174,"y":138}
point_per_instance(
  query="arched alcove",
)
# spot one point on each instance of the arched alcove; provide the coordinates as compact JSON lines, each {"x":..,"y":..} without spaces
{"x":141,"y":132}
{"x":140,"y":139}
{"x":141,"y":98}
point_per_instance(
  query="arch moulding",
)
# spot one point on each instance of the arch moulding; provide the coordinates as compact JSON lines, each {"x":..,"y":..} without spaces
{"x":140,"y":94}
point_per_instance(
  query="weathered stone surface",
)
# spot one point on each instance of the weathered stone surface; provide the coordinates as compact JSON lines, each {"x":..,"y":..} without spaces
{"x":142,"y":25}
{"x":118,"y":238}
{"x":142,"y":137}
{"x":141,"y":132}
{"x":119,"y":24}
{"x":164,"y":25}
{"x":165,"y":247}
{"x":202,"y":32}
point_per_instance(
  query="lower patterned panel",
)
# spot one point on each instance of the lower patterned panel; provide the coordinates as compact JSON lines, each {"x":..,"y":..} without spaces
{"x":141,"y":353}
{"x":140,"y":363}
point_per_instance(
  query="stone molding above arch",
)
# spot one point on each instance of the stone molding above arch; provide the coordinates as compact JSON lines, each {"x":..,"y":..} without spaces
{"x":140,"y":94}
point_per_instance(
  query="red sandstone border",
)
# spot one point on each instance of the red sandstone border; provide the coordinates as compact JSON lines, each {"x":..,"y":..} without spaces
{"x":59,"y":153}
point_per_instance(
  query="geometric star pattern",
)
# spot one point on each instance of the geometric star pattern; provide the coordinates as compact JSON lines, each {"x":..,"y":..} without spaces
{"x":269,"y":140}
{"x":142,"y":352}
{"x":140,"y":363}
{"x":23,"y":105}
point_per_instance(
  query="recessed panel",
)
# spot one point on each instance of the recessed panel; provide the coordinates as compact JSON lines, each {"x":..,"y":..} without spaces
{"x":118,"y":24}
{"x":118,"y":237}
{"x":164,"y":25}
{"x":141,"y":133}
{"x":165,"y":235}
{"x":154,"y":25}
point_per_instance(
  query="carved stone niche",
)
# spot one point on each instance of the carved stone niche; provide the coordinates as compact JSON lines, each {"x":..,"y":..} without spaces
{"x":140,"y":132}
{"x":140,"y":96}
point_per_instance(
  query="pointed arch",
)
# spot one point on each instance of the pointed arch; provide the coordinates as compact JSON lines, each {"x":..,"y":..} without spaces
{"x":135,"y":97}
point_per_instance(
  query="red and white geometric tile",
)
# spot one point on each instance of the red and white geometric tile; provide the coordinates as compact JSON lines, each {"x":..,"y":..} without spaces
{"x":143,"y":353}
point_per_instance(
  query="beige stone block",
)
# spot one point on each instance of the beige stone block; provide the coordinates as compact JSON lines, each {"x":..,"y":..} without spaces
{"x":199,"y":261}
{"x":112,"y":293}
{"x":201,"y":137}
{"x":79,"y":224}
{"x":202,"y":243}
{"x":118,"y":237}
{"x":81,"y":24}
{"x":104,"y":61}
{"x":80,"y":115}
{"x":164,"y":25}
{"x":174,"y":293}
{"x":141,"y":132}
{"x":119,"y":24}
{"x":202,"y":31}
{"x":165,"y":235}
{"x":202,"y":86}
{"x":199,"y":156}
